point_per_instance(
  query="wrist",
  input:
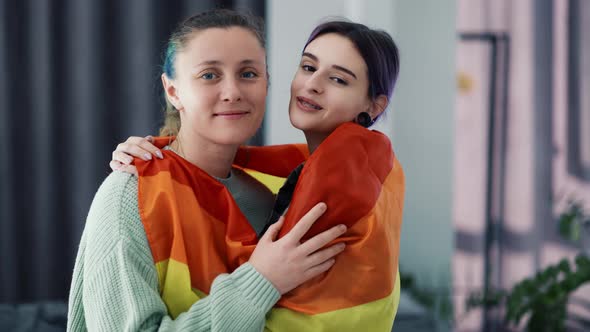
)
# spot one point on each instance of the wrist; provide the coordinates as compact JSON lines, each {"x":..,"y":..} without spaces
{"x":257,"y":288}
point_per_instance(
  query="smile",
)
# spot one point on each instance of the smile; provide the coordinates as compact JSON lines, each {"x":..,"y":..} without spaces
{"x":232,"y":115}
{"x":308,"y":105}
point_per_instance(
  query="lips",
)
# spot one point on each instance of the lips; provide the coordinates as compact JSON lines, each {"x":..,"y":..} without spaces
{"x":308,"y":105}
{"x":234,"y":114}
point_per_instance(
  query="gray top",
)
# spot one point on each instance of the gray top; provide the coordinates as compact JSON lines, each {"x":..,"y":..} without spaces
{"x":253,"y":198}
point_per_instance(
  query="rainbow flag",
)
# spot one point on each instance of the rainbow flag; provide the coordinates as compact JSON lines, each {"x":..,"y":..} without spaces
{"x":196,"y":231}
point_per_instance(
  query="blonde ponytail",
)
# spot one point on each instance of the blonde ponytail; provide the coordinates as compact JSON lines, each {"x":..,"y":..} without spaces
{"x":171,"y":125}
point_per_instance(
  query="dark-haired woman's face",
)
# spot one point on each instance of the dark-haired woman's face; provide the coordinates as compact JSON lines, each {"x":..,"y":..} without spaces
{"x":330,"y":86}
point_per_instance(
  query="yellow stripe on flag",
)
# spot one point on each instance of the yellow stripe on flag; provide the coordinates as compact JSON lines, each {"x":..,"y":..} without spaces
{"x":274,"y":183}
{"x":374,"y":316}
{"x":175,"y":285}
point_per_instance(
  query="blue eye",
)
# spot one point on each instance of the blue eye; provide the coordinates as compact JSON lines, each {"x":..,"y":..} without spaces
{"x":209,"y":76}
{"x":249,"y":74}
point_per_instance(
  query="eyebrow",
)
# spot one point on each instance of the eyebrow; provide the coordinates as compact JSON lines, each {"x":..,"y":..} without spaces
{"x":346,"y":70}
{"x":217,"y":62}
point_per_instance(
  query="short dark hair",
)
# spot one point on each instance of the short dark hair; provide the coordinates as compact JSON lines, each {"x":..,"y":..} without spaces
{"x":375,"y":46}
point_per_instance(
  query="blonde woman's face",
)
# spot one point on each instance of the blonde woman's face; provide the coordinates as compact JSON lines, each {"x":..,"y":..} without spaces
{"x":221,"y":85}
{"x":330,"y":86}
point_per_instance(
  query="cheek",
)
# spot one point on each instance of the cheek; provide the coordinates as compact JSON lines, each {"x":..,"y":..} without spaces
{"x":297,"y":82}
{"x":347,"y":107}
{"x":258,"y":93}
{"x":201,"y":95}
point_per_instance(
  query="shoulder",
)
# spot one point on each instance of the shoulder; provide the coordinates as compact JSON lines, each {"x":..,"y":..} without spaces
{"x":115,"y":198}
{"x":118,"y":184}
{"x":114,"y":215}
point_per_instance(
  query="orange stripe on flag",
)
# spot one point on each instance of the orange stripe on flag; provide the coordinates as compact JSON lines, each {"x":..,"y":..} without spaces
{"x":366,"y":270}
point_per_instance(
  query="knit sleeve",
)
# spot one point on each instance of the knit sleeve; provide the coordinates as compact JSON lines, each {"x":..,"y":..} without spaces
{"x":119,"y":282}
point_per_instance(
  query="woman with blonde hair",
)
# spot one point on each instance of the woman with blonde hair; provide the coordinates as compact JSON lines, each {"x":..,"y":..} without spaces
{"x":172,"y":249}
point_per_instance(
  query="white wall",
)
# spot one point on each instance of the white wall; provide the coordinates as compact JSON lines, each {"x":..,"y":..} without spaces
{"x":420,"y":118}
{"x":423,"y":108}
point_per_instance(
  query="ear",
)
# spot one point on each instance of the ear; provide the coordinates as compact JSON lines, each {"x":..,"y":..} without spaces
{"x":378,"y":106}
{"x":171,"y":92}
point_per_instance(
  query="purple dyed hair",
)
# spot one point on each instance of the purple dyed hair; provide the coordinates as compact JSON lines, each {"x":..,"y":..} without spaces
{"x":375,"y":46}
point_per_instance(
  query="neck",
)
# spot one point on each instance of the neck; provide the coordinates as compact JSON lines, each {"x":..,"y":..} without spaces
{"x":215,"y":159}
{"x":314,"y":139}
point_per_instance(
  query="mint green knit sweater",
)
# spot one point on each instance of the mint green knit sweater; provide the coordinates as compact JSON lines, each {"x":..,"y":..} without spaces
{"x":115,"y":283}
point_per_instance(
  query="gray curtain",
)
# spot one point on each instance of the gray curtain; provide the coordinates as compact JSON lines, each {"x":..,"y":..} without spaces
{"x":78,"y":76}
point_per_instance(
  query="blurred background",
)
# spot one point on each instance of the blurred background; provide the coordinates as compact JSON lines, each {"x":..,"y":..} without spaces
{"x":490,"y":119}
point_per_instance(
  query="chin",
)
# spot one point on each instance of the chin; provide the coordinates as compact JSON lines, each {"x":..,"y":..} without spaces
{"x":296,"y":119}
{"x":232,"y":140}
{"x":295,"y":123}
{"x":303,"y":123}
{"x":238,"y":134}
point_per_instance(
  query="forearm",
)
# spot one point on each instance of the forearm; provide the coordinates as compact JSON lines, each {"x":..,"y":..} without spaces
{"x":237,"y":302}
{"x":127,"y":299}
{"x":115,"y":285}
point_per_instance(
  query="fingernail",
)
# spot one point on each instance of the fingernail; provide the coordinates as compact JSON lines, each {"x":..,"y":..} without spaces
{"x":159,"y":154}
{"x":129,"y":161}
{"x":147,"y":156}
{"x":341,"y":246}
{"x":342,"y":228}
{"x":323,"y":206}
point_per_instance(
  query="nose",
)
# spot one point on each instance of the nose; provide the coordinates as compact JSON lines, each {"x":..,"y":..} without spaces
{"x":231,"y":91}
{"x":313,"y":84}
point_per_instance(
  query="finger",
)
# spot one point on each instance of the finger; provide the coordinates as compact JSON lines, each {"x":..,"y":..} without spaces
{"x":321,"y":256}
{"x":129,"y":169}
{"x":134,"y":139}
{"x":134,"y":150}
{"x":122,"y":157}
{"x":318,"y":269}
{"x":273,"y":231}
{"x":305,"y":223}
{"x":147,"y":145}
{"x":150,"y":138}
{"x":115,"y":165}
{"x":320,"y":240}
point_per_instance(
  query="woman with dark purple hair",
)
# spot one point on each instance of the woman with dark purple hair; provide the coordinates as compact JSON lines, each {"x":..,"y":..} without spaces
{"x":343,"y":84}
